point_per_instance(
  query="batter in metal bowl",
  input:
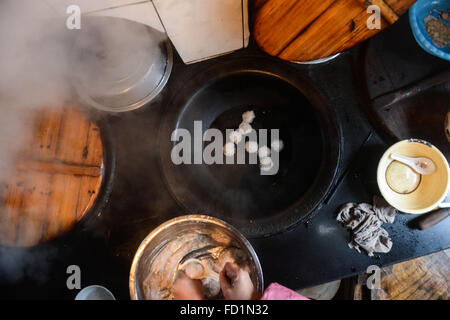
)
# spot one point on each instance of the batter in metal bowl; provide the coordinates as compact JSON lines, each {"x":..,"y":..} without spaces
{"x":201,"y":255}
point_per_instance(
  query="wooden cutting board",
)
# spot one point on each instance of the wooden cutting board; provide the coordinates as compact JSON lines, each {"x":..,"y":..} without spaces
{"x":304,"y":30}
{"x":55,"y":179}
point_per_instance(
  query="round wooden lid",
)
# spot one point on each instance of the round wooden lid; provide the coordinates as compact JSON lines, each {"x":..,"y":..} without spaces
{"x":56,"y":178}
{"x":305,"y":30}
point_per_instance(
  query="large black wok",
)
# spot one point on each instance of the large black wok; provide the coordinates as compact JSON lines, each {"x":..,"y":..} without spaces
{"x":282,"y":99}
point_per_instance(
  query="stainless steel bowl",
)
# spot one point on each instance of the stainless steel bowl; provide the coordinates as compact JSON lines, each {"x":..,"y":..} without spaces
{"x":171,"y":229}
{"x":120,"y":65}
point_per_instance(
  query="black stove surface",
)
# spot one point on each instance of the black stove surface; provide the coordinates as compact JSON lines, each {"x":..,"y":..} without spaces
{"x":309,"y":254}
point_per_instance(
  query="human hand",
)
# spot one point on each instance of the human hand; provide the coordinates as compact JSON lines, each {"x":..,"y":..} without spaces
{"x":236,"y":283}
{"x":185,"y":288}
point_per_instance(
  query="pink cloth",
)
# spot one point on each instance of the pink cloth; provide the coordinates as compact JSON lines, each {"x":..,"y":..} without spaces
{"x":276,"y":291}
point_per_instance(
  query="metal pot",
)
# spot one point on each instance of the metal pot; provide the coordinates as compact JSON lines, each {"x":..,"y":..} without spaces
{"x":282,"y":98}
{"x":154,"y":242}
{"x":120,"y":65}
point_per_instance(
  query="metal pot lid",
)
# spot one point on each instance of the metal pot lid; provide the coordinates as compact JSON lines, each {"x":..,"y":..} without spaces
{"x":120,"y":65}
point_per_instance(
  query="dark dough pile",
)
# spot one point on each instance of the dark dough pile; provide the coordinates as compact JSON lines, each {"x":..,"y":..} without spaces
{"x":365,"y":220}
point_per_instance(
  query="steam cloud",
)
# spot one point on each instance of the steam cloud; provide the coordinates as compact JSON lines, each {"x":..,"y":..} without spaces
{"x":36,"y":71}
{"x":33,"y":70}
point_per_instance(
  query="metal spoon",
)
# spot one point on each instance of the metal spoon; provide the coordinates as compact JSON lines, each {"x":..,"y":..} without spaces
{"x":205,"y":252}
{"x":421,"y":165}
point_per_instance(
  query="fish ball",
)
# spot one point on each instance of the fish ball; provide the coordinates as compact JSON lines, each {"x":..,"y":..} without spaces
{"x":251,"y":146}
{"x":266,"y":163}
{"x":235,"y":137}
{"x":245,"y":128}
{"x":229,"y":149}
{"x":263,"y":152}
{"x":277,"y":145}
{"x":248,"y":116}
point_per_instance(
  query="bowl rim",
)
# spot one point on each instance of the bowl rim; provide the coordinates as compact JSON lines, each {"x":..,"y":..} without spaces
{"x":85,"y":291}
{"x":382,"y":174}
{"x":89,"y":101}
{"x":427,"y":45}
{"x":193,"y":218}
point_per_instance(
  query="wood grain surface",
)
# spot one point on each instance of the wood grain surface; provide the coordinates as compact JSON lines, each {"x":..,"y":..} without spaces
{"x":304,"y":30}
{"x":425,"y":278}
{"x":55,"y":179}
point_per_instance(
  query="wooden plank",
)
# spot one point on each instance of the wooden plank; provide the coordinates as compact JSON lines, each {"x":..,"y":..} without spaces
{"x":10,"y":209}
{"x":31,"y":219}
{"x":56,"y":178}
{"x":46,"y":133}
{"x":89,"y":188}
{"x":257,"y":4}
{"x":286,"y":23}
{"x":73,"y":136}
{"x":399,"y":5}
{"x":304,"y":30}
{"x":425,"y":278}
{"x":93,"y":151}
{"x":386,"y":11}
{"x":62,"y":209}
{"x":58,"y":167}
{"x":330,"y":34}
